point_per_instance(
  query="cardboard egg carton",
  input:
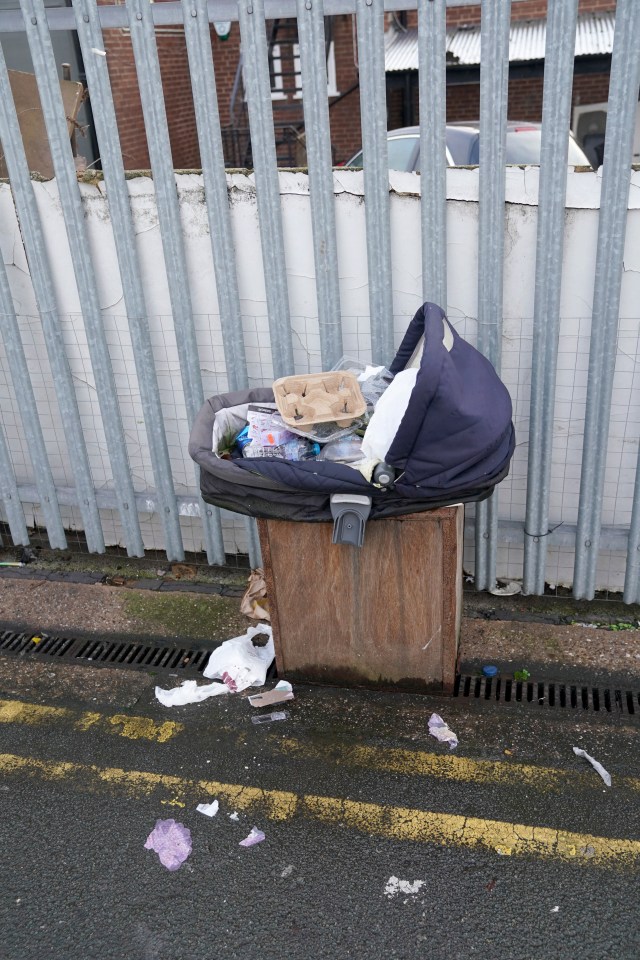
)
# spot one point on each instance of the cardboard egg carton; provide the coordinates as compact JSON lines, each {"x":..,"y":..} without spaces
{"x":319,"y":398}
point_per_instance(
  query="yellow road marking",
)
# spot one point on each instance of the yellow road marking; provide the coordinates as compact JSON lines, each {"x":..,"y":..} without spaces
{"x":132,"y":728}
{"x":447,"y":766}
{"x":395,"y":823}
{"x":392,"y":760}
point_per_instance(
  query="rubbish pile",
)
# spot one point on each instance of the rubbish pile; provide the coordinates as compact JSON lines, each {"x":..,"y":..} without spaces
{"x":236,"y":664}
{"x":359,"y":442}
{"x":172,"y":840}
{"x":322,"y":416}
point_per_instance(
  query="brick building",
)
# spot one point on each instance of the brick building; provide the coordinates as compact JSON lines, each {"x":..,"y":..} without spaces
{"x":591,"y":80}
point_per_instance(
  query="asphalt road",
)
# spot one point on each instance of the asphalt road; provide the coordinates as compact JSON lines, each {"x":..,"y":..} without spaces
{"x":351,"y":792}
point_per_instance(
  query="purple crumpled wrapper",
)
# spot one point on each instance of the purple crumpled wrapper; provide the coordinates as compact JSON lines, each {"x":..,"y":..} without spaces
{"x":256,"y":836}
{"x":171,"y":841}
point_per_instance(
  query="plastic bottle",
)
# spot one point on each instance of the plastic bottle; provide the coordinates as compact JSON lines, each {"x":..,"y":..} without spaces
{"x":291,"y":450}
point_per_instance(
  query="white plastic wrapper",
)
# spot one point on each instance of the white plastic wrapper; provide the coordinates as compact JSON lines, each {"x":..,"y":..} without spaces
{"x":190,"y":692}
{"x":439,"y":730}
{"x":238,"y":663}
{"x":594,"y":763}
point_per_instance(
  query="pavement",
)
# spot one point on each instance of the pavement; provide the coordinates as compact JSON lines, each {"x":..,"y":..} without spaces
{"x":380,"y":841}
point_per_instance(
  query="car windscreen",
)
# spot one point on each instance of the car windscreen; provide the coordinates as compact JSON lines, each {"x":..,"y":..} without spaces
{"x":524,"y":146}
{"x":401,"y":152}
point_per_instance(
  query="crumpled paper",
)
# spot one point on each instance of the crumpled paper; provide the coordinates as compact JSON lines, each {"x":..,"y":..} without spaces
{"x":439,"y":730}
{"x":594,"y":763}
{"x":256,"y":836}
{"x":171,"y":841}
{"x":238,"y":662}
{"x":209,"y":809}
{"x":254,"y":603}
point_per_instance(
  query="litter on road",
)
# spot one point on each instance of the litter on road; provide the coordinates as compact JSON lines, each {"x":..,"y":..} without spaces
{"x":256,"y":836}
{"x":439,"y":730}
{"x":241,"y":660}
{"x":190,"y":692}
{"x":594,"y":763}
{"x":271,"y":717}
{"x":238,"y":663}
{"x":171,"y":841}
{"x":395,"y":886}
{"x":282,"y":692}
{"x":209,"y":809}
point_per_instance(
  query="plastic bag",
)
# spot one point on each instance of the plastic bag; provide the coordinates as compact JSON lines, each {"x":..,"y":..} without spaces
{"x":239,"y":662}
{"x":347,"y":450}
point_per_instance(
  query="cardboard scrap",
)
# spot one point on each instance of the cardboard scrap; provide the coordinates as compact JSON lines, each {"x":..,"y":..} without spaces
{"x":254,"y":603}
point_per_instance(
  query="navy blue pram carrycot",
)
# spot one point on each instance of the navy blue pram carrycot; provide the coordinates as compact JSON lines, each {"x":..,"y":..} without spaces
{"x":454,"y":443}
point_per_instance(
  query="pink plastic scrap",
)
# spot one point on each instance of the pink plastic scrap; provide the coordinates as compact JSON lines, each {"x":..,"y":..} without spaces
{"x":256,"y":836}
{"x":171,"y":841}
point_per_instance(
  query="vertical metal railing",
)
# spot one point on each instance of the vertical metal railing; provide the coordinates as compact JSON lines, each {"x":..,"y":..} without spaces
{"x":42,"y":280}
{"x":556,"y":109}
{"x":10,"y":496}
{"x":155,"y":119}
{"x":23,"y":388}
{"x":46,"y":74}
{"x":370,"y":31}
{"x":432,"y":83}
{"x":104,"y":115}
{"x":494,"y":79}
{"x":258,"y":89}
{"x":205,"y":101}
{"x":140,"y":18}
{"x":313,"y":67}
{"x":616,"y":175}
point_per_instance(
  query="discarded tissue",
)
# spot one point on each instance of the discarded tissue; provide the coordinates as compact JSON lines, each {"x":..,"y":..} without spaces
{"x":594,"y":763}
{"x":209,"y":809}
{"x":256,"y":836}
{"x":171,"y":841}
{"x":238,"y":662}
{"x":189,"y":692}
{"x":439,"y":730}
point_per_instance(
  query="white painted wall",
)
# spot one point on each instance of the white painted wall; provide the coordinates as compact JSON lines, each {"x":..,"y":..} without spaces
{"x":581,"y":226}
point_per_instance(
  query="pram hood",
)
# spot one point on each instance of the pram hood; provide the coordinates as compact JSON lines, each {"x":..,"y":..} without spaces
{"x":456,"y":433}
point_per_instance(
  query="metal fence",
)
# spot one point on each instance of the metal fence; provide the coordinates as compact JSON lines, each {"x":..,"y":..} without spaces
{"x":141,"y":18}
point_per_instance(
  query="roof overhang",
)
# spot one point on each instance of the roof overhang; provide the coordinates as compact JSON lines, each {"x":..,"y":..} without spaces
{"x":527,"y":38}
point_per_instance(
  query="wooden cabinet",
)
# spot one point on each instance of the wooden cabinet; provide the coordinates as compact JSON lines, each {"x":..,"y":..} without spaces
{"x":384,"y":615}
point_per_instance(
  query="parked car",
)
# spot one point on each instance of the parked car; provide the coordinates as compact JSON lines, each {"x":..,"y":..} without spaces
{"x":524,"y":140}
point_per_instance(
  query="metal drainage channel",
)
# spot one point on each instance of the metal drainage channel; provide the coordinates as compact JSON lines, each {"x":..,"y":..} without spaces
{"x":549,"y":695}
{"x":132,"y":656}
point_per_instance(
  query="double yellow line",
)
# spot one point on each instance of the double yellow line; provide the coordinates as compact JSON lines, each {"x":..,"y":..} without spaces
{"x":379,"y":820}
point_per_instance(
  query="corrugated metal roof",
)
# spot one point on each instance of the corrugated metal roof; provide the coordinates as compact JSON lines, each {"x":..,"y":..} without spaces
{"x":594,"y":35}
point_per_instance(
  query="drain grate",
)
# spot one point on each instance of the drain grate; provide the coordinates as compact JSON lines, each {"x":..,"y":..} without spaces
{"x":549,"y":695}
{"x":131,"y":655}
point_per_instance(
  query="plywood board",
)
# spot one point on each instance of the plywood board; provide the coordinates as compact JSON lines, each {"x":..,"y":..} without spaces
{"x":386,"y":615}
